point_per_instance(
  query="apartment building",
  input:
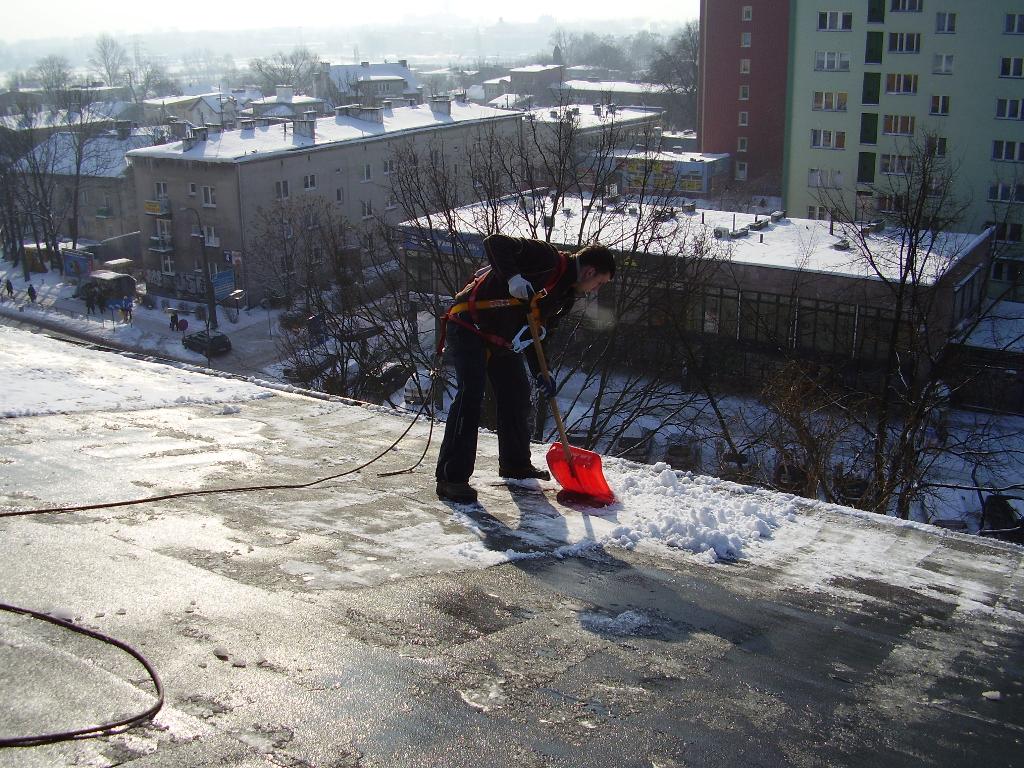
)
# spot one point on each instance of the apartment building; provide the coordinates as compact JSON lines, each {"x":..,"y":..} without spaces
{"x":874,"y":82}
{"x":742,"y":88}
{"x":206,"y":190}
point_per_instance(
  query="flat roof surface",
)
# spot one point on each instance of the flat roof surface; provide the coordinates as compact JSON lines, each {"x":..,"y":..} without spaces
{"x":669,"y":155}
{"x":610,"y":86}
{"x":801,"y":244}
{"x":261,"y":141}
{"x":587,"y":118}
{"x":363,"y":622}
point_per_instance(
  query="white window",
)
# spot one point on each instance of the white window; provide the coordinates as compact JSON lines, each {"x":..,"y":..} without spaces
{"x":1014,"y":24}
{"x":744,"y":93}
{"x":906,"y":5}
{"x":367,"y":172}
{"x":829,"y":101}
{"x":192,"y":190}
{"x":309,"y":181}
{"x":942,"y":64}
{"x":741,"y":171}
{"x":741,"y":144}
{"x":744,"y":66}
{"x":281,"y":190}
{"x":824,"y":139}
{"x":904,"y":42}
{"x":389,"y":167}
{"x":747,"y":13}
{"x":1011,"y":67}
{"x":835,"y":21}
{"x":1012,"y":151}
{"x":822,"y":178}
{"x":1008,"y":109}
{"x":896,"y":164}
{"x":392,"y":202}
{"x":898,"y":125}
{"x":744,"y":39}
{"x":210,"y":235}
{"x":167,"y":262}
{"x":945,"y":23}
{"x":366,"y":208}
{"x":832,"y":61}
{"x":940,"y":105}
{"x":209,"y":197}
{"x":900,"y":83}
{"x":160,"y":189}
{"x":1006,"y":192}
{"x":744,"y":119}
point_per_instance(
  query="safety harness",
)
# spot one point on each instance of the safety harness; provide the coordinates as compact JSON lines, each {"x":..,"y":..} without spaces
{"x":473,"y":307}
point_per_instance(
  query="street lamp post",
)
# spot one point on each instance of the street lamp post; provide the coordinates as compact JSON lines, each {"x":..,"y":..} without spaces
{"x":211,"y":301}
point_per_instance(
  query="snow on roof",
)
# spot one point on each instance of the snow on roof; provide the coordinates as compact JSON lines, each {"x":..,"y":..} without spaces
{"x":102,"y":156}
{"x":475,"y":92}
{"x":62,"y":118}
{"x":799,"y":244}
{"x":293,"y":98}
{"x":261,"y":141}
{"x":1001,"y":329}
{"x":507,"y":100}
{"x":668,"y":155}
{"x":588,"y":119}
{"x":609,"y":86}
{"x":496,"y":80}
{"x":536,"y":68}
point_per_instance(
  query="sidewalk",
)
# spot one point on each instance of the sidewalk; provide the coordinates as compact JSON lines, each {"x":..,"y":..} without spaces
{"x":253,"y":336}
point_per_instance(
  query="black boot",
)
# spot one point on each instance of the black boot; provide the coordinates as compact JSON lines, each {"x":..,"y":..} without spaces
{"x":527,"y":472}
{"x":460,"y":493}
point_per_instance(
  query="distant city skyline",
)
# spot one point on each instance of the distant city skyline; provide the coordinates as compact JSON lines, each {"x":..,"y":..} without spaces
{"x":64,"y":18}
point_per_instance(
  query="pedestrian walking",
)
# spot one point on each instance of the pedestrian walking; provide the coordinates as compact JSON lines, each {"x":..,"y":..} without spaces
{"x":127,"y":305}
{"x":32,"y":293}
{"x":488,"y":336}
{"x":101,"y":303}
{"x":90,"y":303}
{"x":9,"y":287}
{"x":174,"y":321}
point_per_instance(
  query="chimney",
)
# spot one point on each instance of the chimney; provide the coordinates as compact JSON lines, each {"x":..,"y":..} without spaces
{"x":442,"y":104}
{"x":371,"y":114}
{"x":386,"y":104}
{"x":178,"y":128}
{"x":305,"y":128}
{"x":597,"y":109}
{"x":285,"y":93}
{"x":309,"y":114}
{"x":364,"y":64}
{"x":248,"y":125}
{"x":404,"y":63}
{"x":123,"y":128}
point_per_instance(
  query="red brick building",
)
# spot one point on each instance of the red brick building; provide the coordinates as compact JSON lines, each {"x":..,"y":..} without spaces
{"x":742,"y":90}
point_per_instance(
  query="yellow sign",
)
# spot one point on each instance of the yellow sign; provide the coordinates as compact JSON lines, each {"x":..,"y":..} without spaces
{"x":153,"y":206}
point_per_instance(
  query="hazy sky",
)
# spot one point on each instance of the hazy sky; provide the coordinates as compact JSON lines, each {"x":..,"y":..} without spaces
{"x":69,"y":18}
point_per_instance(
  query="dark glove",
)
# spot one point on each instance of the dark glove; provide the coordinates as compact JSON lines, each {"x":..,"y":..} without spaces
{"x":545,"y":384}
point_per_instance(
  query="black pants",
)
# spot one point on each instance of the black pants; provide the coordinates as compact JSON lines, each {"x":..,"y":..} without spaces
{"x":470,"y":356}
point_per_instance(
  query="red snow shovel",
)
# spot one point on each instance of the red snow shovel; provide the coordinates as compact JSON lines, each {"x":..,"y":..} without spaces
{"x":577,"y":470}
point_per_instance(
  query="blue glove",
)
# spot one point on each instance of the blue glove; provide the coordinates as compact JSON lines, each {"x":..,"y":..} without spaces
{"x":545,"y":384}
{"x":520,"y":288}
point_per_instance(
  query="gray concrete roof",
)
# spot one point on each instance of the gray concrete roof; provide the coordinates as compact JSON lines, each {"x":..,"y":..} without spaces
{"x":612,"y":658}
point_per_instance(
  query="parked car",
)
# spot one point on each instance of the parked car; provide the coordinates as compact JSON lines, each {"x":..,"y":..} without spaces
{"x":1001,"y":518}
{"x":207,"y":342}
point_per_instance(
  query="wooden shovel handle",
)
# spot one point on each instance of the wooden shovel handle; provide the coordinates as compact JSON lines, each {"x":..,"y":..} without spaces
{"x":542,"y":361}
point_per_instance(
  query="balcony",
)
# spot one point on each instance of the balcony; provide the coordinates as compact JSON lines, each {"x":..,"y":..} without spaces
{"x":159,"y":207}
{"x":161,"y":244}
{"x":104,"y":212}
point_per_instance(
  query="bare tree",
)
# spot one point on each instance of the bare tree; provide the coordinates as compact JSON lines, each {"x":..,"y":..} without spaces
{"x":53,"y":73}
{"x":674,"y":66}
{"x":110,"y":59}
{"x":294,"y":68}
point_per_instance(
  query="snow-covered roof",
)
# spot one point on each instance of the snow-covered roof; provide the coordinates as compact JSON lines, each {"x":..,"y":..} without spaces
{"x":1001,"y":329}
{"x":798,"y":244}
{"x":214,"y":101}
{"x":476,"y":92}
{"x":102,"y":156}
{"x":508,"y":100}
{"x":261,"y":141}
{"x":497,"y":80}
{"x":587,"y":118}
{"x":62,"y":118}
{"x":288,"y":98}
{"x":609,"y":86}
{"x":531,"y":68}
{"x":668,"y":156}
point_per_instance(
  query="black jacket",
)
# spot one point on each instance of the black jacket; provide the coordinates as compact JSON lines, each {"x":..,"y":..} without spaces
{"x":536,"y":261}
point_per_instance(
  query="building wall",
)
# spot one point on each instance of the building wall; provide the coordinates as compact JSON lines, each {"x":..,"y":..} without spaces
{"x":107,"y":207}
{"x":745,"y":81}
{"x":973,"y":85}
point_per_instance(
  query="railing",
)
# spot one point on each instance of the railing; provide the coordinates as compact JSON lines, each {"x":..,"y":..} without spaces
{"x":161,"y":243}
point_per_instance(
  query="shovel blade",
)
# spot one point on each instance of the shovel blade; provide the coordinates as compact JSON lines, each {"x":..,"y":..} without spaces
{"x":583,"y":476}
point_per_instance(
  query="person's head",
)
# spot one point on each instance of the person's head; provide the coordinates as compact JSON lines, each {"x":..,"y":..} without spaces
{"x":595,"y":267}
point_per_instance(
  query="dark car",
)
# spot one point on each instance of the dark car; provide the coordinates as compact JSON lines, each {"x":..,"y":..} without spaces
{"x":207,"y":342}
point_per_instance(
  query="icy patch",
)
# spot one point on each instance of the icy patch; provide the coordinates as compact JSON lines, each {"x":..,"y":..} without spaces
{"x":486,"y":698}
{"x":625,"y":624}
